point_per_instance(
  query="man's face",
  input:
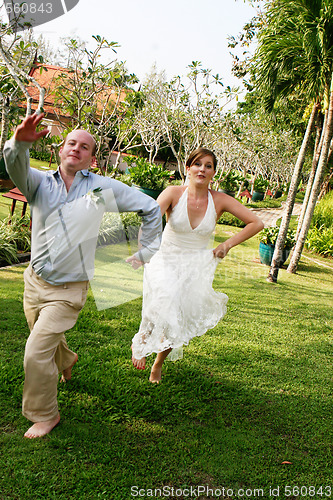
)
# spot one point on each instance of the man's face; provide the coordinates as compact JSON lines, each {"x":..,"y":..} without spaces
{"x":77,"y":152}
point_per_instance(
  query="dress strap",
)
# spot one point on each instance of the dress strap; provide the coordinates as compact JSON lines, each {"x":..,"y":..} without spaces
{"x":212,"y":204}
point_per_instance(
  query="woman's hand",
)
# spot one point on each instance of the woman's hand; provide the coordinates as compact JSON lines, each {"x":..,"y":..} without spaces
{"x":221,"y":250}
{"x":135,"y":263}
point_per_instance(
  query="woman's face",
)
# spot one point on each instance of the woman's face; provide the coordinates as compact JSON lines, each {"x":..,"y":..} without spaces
{"x":202,"y":170}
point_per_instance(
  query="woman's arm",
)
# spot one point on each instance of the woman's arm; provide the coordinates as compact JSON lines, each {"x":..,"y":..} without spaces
{"x":225,"y":203}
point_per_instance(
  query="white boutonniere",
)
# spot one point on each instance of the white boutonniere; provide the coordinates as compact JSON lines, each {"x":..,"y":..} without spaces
{"x":94,"y":197}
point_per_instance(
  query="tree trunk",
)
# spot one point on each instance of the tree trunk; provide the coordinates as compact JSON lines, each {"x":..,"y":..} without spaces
{"x":315,"y":188}
{"x":253,"y":180}
{"x":279,"y":245}
{"x":325,"y":186}
{"x":240,"y":190}
{"x":117,"y":160}
{"x":20,"y":78}
{"x":4,"y":123}
{"x":55,"y":148}
{"x":316,"y":155}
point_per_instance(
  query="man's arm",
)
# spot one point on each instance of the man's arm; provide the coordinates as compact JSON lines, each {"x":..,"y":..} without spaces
{"x":123,"y":198}
{"x":17,"y":157}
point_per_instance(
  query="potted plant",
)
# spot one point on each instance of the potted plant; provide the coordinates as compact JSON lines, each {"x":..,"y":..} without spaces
{"x":259,"y":187}
{"x":278,"y":192}
{"x":149,"y":178}
{"x":267,"y":239}
{"x":230,"y":183}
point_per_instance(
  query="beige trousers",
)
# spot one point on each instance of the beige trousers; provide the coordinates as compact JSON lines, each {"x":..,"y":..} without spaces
{"x":50,"y":311}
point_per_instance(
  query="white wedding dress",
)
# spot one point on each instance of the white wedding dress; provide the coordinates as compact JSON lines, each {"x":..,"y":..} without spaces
{"x":179,"y":302}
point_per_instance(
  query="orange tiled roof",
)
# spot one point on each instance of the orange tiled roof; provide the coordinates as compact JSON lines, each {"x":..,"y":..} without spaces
{"x":49,"y":79}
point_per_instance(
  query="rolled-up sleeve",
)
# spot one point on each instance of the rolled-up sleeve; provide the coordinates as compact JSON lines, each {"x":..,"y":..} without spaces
{"x":16,"y":155}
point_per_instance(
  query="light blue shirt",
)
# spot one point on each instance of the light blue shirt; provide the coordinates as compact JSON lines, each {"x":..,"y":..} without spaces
{"x":65,"y":224}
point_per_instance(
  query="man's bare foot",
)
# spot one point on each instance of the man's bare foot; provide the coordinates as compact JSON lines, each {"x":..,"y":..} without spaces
{"x":140,"y":364}
{"x":40,"y":429}
{"x":155,"y":374}
{"x":67,"y":373}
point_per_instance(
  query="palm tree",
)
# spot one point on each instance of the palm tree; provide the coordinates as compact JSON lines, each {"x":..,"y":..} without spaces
{"x":315,"y":159}
{"x":280,"y":242}
{"x":327,"y":139}
{"x":294,"y":59}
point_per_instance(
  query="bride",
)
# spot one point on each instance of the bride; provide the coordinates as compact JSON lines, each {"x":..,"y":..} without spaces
{"x":179,"y":302}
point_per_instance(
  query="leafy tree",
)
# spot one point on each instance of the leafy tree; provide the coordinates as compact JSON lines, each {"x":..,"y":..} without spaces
{"x":95,"y":95}
{"x":16,"y":56}
{"x":185,"y":113}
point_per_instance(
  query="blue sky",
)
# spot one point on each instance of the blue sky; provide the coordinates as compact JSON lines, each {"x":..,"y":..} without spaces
{"x":170,"y":34}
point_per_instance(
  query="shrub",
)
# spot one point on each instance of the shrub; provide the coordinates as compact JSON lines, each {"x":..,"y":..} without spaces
{"x":41,"y":150}
{"x":124,"y":178}
{"x":116,"y":228}
{"x":8,"y":251}
{"x":231,"y":181}
{"x":147,"y":174}
{"x":320,"y":240}
{"x":230,"y":220}
{"x":267,"y":203}
{"x":16,"y":230}
{"x":260,"y":184}
{"x":3,"y":172}
{"x":14,"y":238}
{"x":323,"y":214}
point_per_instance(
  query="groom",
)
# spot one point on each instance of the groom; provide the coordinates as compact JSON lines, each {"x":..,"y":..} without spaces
{"x":67,"y":207}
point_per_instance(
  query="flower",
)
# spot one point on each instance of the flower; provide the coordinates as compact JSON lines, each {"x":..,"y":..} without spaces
{"x":93,"y":197}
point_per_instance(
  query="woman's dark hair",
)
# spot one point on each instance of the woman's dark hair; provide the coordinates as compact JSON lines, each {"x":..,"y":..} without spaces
{"x":199,"y":153}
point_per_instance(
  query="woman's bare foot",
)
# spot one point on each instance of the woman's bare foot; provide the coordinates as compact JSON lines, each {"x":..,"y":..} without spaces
{"x":40,"y":429}
{"x":140,"y":364}
{"x":67,"y":373}
{"x":156,"y":371}
{"x":156,"y":374}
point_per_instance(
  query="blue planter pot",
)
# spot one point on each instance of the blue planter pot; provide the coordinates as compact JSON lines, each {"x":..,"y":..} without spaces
{"x":150,"y":192}
{"x":229,"y":193}
{"x":266,"y":254}
{"x":257,"y":196}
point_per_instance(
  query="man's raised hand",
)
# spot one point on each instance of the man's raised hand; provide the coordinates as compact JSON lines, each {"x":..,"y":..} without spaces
{"x":26,"y":131}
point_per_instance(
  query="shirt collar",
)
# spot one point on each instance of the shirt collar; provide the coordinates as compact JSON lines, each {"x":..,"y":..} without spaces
{"x":85,"y":172}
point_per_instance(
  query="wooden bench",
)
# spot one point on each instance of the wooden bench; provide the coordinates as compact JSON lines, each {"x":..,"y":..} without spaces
{"x":16,"y":195}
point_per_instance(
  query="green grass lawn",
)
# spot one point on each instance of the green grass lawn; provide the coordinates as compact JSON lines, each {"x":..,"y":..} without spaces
{"x":249,"y":395}
{"x":5,"y":206}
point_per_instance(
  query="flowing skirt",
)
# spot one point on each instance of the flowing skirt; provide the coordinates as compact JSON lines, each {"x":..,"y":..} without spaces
{"x":179,"y":302}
